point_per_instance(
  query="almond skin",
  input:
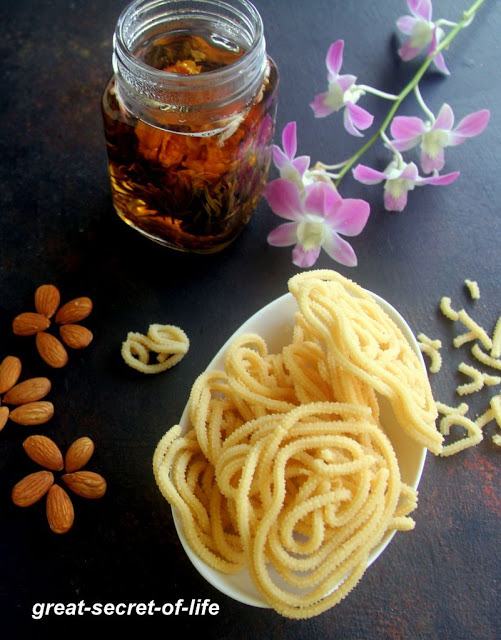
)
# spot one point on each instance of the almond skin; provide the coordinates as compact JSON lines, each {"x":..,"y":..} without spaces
{"x":29,"y":323}
{"x":59,"y":509}
{"x":31,"y":488}
{"x":32,"y":413}
{"x":4,"y":416}
{"x":10,"y":370}
{"x":44,"y":452}
{"x":29,"y":390}
{"x":74,"y":310}
{"x":47,"y":300}
{"x":78,"y":454}
{"x":51,"y":350}
{"x":75,"y":336}
{"x":86,"y":484}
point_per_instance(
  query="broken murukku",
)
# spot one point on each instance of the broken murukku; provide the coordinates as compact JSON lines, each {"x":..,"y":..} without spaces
{"x":160,"y":349}
{"x":431,"y":348}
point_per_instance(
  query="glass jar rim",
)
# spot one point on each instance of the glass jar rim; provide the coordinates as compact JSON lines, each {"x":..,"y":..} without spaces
{"x":254,"y":52}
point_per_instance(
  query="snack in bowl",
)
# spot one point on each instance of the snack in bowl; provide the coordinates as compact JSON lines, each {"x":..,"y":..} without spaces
{"x":284,"y":469}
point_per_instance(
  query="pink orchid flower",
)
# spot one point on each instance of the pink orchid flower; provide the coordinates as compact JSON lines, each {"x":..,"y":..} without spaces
{"x":315,"y":221}
{"x":342,"y":93}
{"x":290,"y":167}
{"x":408,"y":132}
{"x":423,"y":33}
{"x":400,"y":178}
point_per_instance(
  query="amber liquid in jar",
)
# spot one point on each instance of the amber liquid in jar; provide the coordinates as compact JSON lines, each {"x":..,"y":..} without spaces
{"x":179,"y":187}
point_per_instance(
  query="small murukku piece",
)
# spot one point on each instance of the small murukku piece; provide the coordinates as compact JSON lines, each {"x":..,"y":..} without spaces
{"x":475,"y":328}
{"x":167,"y":343}
{"x":485,"y":358}
{"x":496,"y":340}
{"x":456,"y":416}
{"x":473,"y":289}
{"x":431,"y":348}
{"x":447,"y":310}
{"x":479,"y":379}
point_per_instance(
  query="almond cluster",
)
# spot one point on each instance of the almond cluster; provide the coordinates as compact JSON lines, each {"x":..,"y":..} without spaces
{"x":73,"y":335}
{"x":59,"y":506}
{"x":26,"y":397}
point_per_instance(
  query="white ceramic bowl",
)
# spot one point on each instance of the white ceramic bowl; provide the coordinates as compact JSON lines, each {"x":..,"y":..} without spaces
{"x":274,"y":323}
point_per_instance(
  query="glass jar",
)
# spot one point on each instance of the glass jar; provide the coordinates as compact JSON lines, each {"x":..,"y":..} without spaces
{"x":189,"y":117}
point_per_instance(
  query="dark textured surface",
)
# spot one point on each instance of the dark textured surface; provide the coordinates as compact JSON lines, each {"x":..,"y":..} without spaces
{"x":57,"y":225}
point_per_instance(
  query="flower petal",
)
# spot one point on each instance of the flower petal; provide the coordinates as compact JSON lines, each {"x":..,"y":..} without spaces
{"x":284,"y":199}
{"x":445,"y":179}
{"x":407,"y":128}
{"x":367,"y":175}
{"x":440,"y":64}
{"x":421,"y":8}
{"x":320,"y":107}
{"x":339,"y":250}
{"x":279,"y":157}
{"x":321,"y":198}
{"x":435,"y":163}
{"x":445,"y":118}
{"x":289,"y":140}
{"x":395,"y":201}
{"x":284,"y":235}
{"x":350,"y":216}
{"x":407,"y":51}
{"x":360,"y":118}
{"x":334,"y":59}
{"x":471,"y":125}
{"x":301,"y":163}
{"x":305,"y":258}
{"x":406,"y":24}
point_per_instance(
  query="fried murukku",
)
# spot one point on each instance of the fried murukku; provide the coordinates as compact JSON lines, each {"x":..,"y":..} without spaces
{"x":285,"y":468}
{"x":358,"y":336}
{"x":168,"y":342}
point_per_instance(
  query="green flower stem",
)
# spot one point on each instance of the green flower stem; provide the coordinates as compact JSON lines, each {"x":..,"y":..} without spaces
{"x":464,"y":22}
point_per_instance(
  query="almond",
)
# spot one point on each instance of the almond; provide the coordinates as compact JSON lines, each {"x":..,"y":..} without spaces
{"x":29,"y":390}
{"x":86,"y":484}
{"x":59,"y":509}
{"x":10,"y":370}
{"x":29,"y":323}
{"x":51,"y":350}
{"x":74,"y":310}
{"x":47,"y":299}
{"x":4,"y":416}
{"x":78,"y":454}
{"x":44,"y":451}
{"x":31,"y":488}
{"x":75,"y":336}
{"x":32,"y":413}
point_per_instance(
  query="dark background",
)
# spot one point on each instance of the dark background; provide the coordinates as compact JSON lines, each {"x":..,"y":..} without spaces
{"x":57,"y":225}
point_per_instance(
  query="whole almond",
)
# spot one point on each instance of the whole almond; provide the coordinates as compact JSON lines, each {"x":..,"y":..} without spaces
{"x":29,"y":390}
{"x":29,"y":323}
{"x":87,"y":484}
{"x":59,"y":509}
{"x":32,"y":413}
{"x":74,"y":310}
{"x":75,"y":336}
{"x":51,"y":350}
{"x":31,"y":488}
{"x":78,"y":454}
{"x":47,"y":299}
{"x":4,"y":416}
{"x":10,"y":370}
{"x":44,"y":452}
